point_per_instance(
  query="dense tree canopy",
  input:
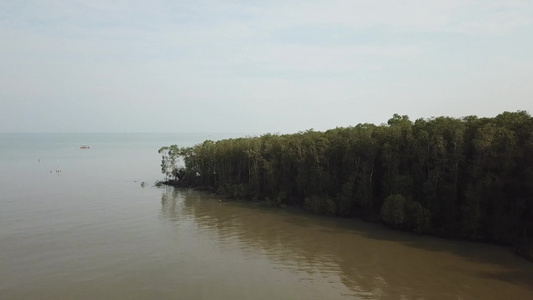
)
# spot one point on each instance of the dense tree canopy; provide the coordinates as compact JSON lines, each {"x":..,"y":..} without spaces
{"x":469,"y":177}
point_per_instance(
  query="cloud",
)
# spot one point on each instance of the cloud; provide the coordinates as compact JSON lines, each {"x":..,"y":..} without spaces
{"x":325,"y":60}
{"x":246,"y":58}
{"x":457,"y":16}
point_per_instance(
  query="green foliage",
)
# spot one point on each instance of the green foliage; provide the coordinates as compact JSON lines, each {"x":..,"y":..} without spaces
{"x":393,"y":210}
{"x":321,"y":206}
{"x":344,"y":199}
{"x":239,"y":191}
{"x":169,"y":161}
{"x":400,"y":212}
{"x":418,"y":218}
{"x":469,"y":177}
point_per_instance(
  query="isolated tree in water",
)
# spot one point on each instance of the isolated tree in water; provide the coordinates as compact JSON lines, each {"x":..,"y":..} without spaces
{"x":169,"y":160}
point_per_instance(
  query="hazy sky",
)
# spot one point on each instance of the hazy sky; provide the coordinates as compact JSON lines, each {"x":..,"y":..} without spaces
{"x":258,"y":66}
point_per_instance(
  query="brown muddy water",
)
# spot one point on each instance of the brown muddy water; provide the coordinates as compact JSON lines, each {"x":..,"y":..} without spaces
{"x":92,"y":231}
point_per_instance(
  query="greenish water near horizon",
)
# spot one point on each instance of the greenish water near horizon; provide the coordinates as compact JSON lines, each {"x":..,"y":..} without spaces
{"x":77,"y":224}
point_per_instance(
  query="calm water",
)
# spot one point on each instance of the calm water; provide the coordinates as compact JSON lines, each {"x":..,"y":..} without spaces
{"x":92,"y":231}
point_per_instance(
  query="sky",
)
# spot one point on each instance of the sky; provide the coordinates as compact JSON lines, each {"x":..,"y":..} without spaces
{"x":258,"y":66}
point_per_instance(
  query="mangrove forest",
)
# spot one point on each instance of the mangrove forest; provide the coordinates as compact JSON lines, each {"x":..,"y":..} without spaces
{"x":465,"y":177}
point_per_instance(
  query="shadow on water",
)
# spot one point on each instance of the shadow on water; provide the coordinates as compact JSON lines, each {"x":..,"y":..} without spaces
{"x":370,"y":259}
{"x":513,"y":277}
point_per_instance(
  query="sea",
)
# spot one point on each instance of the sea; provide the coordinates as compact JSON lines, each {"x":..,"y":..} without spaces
{"x":89,"y":223}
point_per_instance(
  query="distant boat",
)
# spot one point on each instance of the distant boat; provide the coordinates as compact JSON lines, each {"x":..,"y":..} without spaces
{"x":84,"y":147}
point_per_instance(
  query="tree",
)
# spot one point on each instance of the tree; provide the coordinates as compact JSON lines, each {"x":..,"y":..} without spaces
{"x":468,"y":177}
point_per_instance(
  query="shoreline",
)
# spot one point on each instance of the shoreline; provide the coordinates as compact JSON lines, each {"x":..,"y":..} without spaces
{"x":523,"y":250}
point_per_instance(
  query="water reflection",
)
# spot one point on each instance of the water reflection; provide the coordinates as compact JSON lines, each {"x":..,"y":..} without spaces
{"x":350,"y":258}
